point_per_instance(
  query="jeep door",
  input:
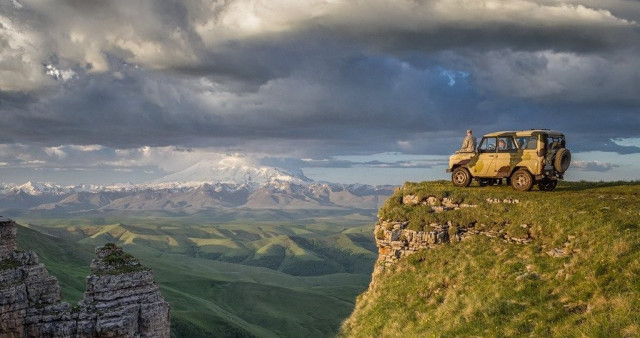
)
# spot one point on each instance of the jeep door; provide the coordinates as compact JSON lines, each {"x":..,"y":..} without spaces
{"x":486,"y":155}
{"x":531,"y":150}
{"x":505,"y":157}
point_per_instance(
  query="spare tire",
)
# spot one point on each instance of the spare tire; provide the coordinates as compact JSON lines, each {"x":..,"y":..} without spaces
{"x":562,"y":160}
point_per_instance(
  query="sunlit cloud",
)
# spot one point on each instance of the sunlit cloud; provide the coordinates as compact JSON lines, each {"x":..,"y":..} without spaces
{"x":593,"y":166}
{"x":627,"y":142}
{"x":57,"y":74}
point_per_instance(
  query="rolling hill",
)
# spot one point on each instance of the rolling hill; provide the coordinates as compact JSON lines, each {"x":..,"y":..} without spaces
{"x":266,"y":279}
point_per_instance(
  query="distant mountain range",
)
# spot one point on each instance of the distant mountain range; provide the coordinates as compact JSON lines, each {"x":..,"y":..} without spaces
{"x":230,"y":183}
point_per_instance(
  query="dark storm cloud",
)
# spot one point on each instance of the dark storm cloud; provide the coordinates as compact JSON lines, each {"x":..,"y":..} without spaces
{"x":142,"y":108}
{"x":317,"y":78}
{"x":102,"y":110}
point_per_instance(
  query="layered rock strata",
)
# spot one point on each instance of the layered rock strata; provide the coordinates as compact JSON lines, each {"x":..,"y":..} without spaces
{"x":121,"y":300}
{"x":395,"y":241}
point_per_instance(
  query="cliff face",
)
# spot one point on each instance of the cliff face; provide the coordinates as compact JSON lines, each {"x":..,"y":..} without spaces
{"x":121,"y":300}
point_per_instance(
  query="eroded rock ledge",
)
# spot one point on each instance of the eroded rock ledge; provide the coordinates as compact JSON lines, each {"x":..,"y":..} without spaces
{"x":121,"y":300}
{"x":395,"y":240}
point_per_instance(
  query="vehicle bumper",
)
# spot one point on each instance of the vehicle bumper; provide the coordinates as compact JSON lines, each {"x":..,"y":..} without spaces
{"x":549,"y":172}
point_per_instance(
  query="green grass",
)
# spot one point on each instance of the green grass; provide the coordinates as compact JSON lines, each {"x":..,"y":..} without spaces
{"x":118,"y":262}
{"x":487,"y":287}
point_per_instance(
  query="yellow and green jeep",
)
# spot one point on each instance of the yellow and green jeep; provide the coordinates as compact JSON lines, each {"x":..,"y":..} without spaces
{"x":523,"y":158}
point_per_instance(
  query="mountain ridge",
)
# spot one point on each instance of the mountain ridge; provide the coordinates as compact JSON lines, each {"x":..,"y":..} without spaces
{"x":234,"y":170}
{"x":230,"y":182}
{"x":194,"y":196}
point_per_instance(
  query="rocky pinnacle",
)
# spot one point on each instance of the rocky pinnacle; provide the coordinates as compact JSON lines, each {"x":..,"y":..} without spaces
{"x":121,"y":299}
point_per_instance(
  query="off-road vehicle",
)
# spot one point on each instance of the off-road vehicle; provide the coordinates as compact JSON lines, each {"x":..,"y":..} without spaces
{"x":523,"y":158}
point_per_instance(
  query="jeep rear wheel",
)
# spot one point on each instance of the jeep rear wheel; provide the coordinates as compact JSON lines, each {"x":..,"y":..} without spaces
{"x":547,"y":184}
{"x":461,"y":177}
{"x":521,"y":180}
{"x":562,"y":160}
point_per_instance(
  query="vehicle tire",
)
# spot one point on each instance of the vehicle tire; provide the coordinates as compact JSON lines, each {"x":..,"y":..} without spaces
{"x":521,"y":180}
{"x":461,"y":177}
{"x":562,"y":160}
{"x":547,"y":184}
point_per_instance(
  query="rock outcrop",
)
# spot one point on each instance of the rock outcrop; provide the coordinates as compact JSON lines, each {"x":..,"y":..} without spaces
{"x":395,"y":240}
{"x":121,"y":300}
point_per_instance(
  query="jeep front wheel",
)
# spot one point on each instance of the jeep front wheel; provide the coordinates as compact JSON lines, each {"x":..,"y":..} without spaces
{"x":521,"y":180}
{"x":461,"y":177}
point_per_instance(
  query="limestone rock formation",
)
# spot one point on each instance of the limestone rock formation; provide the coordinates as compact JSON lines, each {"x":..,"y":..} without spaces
{"x":121,"y":300}
{"x":394,"y":240}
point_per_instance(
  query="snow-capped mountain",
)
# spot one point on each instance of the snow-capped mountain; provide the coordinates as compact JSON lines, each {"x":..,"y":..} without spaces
{"x":234,"y":170}
{"x":190,"y":198}
{"x":36,"y":188}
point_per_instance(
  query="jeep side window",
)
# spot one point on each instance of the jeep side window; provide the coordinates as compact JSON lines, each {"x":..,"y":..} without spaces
{"x":554,"y":143}
{"x":527,"y":142}
{"x":487,"y":144}
{"x":505,"y":144}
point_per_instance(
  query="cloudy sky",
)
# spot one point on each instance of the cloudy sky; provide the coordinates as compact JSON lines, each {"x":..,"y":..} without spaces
{"x":372,"y":91}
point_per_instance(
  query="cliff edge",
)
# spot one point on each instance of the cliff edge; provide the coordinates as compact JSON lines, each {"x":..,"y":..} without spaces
{"x":490,"y":261}
{"x":121,"y":299}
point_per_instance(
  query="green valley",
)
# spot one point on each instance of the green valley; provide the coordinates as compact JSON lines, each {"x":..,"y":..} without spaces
{"x":269,"y":278}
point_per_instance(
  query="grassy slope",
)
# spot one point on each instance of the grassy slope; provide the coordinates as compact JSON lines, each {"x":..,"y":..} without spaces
{"x":65,"y":259}
{"x":487,"y":287}
{"x":216,"y":297}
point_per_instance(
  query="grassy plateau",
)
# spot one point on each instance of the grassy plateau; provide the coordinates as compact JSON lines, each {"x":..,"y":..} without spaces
{"x":579,"y":276}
